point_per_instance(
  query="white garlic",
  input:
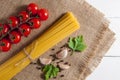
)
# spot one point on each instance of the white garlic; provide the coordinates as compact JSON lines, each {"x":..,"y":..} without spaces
{"x":62,"y":54}
{"x":45,"y":61}
{"x":64,"y":66}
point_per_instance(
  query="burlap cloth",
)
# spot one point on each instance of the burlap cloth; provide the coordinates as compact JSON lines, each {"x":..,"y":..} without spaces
{"x":94,"y":28}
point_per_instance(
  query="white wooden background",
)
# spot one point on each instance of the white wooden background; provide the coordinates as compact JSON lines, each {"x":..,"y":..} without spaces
{"x":109,"y":68}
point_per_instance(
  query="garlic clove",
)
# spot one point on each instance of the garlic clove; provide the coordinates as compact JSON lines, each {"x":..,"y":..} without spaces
{"x":62,"y":54}
{"x":45,"y":61}
{"x":64,"y":66}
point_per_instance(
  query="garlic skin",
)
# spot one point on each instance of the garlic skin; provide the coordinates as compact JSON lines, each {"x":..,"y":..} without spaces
{"x":45,"y":61}
{"x":64,"y":66}
{"x":62,"y":54}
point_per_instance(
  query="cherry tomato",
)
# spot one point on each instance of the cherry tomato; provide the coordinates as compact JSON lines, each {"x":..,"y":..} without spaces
{"x":25,"y":29}
{"x":32,"y":8}
{"x":5,"y":45}
{"x":15,"y":37}
{"x":34,"y":23}
{"x":13,"y":21}
{"x":23,"y":16}
{"x":43,"y":14}
{"x":4,"y":28}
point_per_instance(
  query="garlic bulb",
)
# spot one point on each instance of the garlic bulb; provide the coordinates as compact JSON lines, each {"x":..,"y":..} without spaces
{"x":45,"y":61}
{"x":62,"y":54}
{"x":64,"y":66}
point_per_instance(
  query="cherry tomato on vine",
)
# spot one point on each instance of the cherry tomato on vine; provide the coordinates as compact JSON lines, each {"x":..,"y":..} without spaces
{"x":43,"y":14}
{"x":23,"y":16}
{"x":34,"y":23}
{"x":25,"y":29}
{"x":5,"y":45}
{"x":13,"y":21}
{"x":32,"y":8}
{"x":4,"y":28}
{"x":14,"y":37}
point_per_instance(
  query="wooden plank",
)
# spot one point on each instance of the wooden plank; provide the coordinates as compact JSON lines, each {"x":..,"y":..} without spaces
{"x":107,"y":70}
{"x":109,"y":7}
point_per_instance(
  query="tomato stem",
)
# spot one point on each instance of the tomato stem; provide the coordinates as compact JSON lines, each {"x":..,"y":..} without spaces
{"x":2,"y":44}
{"x":20,"y":17}
{"x":1,"y":28}
{"x":10,"y":22}
{"x":30,"y":23}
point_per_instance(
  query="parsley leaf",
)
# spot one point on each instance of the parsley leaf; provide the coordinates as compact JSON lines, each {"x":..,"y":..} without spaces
{"x":50,"y":71}
{"x":77,"y":43}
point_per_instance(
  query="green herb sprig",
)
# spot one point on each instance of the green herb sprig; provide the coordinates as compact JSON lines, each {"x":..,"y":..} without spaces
{"x":77,"y":43}
{"x":50,"y":71}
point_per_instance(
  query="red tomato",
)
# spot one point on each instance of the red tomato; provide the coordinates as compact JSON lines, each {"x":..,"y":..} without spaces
{"x":34,"y":23}
{"x":43,"y":14}
{"x":5,"y":45}
{"x":23,"y":16}
{"x":14,"y":37}
{"x":4,"y":28}
{"x":25,"y":29}
{"x":32,"y":8}
{"x":13,"y":21}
